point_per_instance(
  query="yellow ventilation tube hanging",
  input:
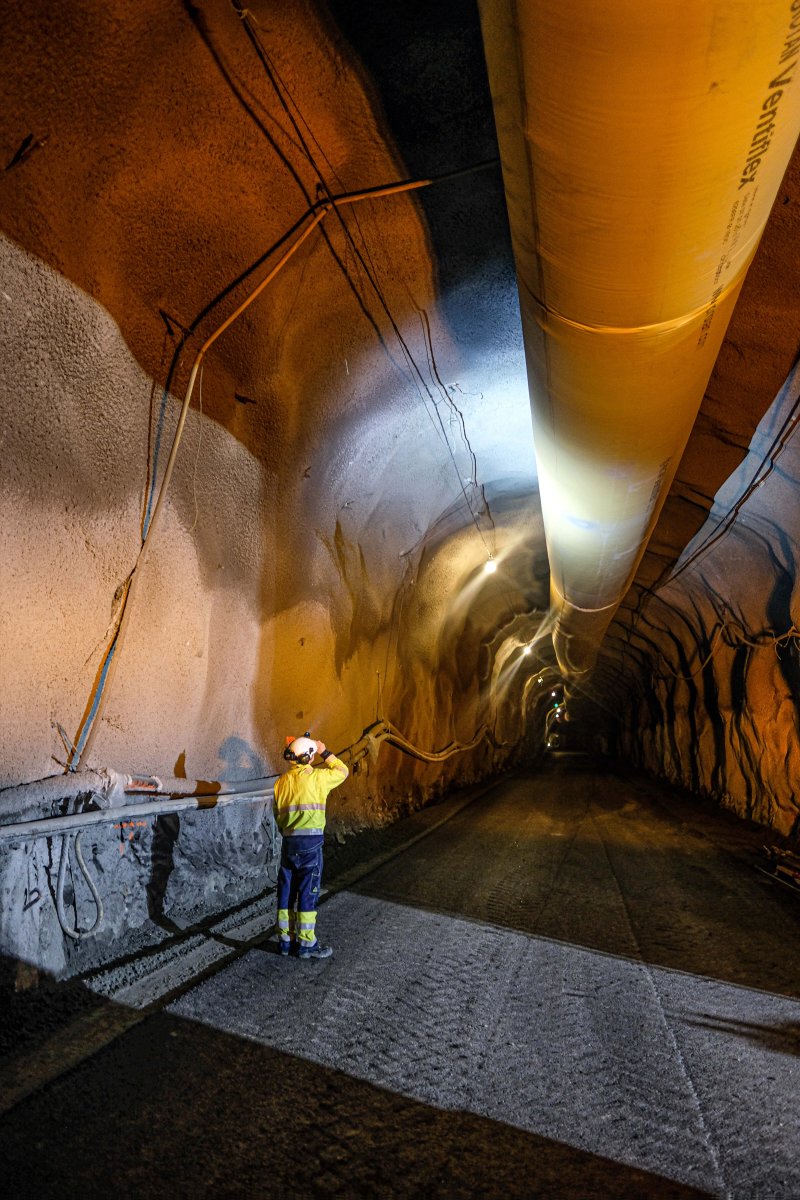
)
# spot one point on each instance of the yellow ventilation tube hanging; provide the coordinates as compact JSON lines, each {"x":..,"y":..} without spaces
{"x":642,"y":145}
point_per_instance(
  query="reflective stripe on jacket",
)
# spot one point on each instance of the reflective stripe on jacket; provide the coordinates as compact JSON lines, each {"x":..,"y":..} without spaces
{"x":301,"y":796}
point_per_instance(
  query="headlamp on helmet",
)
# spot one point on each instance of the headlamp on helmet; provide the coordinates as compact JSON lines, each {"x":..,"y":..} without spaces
{"x":300,"y":750}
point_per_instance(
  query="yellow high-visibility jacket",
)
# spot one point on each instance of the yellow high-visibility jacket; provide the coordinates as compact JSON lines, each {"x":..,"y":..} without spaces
{"x":301,"y":796}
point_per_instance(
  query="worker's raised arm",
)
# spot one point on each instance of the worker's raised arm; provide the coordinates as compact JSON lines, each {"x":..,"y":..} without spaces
{"x":332,"y":762}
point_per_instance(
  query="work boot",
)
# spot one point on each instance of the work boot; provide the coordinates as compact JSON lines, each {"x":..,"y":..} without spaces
{"x":286,"y":946}
{"x":315,"y":951}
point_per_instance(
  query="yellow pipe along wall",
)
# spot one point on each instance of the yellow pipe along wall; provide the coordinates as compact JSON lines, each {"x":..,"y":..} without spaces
{"x":642,"y":143}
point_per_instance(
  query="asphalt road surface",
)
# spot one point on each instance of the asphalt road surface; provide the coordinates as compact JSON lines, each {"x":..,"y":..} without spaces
{"x":578,"y":986}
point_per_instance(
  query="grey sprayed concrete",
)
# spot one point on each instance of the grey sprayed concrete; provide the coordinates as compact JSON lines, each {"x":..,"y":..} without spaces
{"x":577,"y":987}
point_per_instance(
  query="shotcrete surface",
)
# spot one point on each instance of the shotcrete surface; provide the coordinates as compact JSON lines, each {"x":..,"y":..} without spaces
{"x":346,"y":431}
{"x":577,"y":987}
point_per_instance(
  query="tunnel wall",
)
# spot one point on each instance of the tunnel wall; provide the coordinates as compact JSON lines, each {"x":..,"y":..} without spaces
{"x":316,"y":533}
{"x":714,"y":653}
{"x":214,"y":671}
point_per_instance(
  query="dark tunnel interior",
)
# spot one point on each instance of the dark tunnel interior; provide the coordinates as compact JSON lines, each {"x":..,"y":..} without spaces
{"x":424,"y":378}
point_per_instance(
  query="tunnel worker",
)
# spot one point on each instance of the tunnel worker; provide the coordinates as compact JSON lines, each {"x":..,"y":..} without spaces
{"x":300,"y":798}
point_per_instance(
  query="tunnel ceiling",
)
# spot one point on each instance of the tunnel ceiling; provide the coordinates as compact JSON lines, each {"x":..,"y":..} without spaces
{"x":359,"y":443}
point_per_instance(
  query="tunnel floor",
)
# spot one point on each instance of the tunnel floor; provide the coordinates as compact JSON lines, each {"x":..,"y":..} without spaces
{"x":576,"y":987}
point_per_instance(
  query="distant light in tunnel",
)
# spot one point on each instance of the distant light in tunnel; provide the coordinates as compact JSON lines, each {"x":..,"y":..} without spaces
{"x":526,"y":649}
{"x":490,"y":567}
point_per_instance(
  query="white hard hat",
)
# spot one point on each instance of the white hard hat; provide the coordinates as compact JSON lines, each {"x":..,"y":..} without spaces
{"x":301,"y":750}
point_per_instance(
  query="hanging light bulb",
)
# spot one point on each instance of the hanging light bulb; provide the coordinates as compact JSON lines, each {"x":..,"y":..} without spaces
{"x":490,"y":566}
{"x":526,"y":649}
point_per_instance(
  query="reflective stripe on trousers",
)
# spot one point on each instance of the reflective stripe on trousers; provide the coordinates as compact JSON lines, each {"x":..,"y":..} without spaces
{"x":301,"y":924}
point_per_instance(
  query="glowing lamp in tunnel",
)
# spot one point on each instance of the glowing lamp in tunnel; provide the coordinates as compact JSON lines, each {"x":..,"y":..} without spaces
{"x":490,"y":567}
{"x":526,"y":650}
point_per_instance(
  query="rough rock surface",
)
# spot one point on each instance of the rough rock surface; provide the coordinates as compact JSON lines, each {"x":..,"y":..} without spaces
{"x":710,"y":678}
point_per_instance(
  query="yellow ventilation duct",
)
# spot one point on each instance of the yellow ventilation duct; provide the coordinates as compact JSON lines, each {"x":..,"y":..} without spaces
{"x":643,"y":143}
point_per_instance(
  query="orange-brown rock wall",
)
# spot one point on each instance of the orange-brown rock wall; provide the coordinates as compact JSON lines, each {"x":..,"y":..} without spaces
{"x":714,"y":654}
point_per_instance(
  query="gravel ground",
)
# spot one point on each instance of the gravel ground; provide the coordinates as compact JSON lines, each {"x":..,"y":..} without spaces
{"x":576,"y":987}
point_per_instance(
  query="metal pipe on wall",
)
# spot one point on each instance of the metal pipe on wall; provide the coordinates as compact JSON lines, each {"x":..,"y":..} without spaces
{"x":110,"y":788}
{"x":642,"y":148}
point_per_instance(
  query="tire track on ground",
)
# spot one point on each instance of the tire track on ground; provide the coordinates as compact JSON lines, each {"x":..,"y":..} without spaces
{"x":722,"y":1187}
{"x":498,"y":969}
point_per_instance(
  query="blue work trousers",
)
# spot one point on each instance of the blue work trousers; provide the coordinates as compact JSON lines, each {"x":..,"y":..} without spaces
{"x":299,"y":881}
